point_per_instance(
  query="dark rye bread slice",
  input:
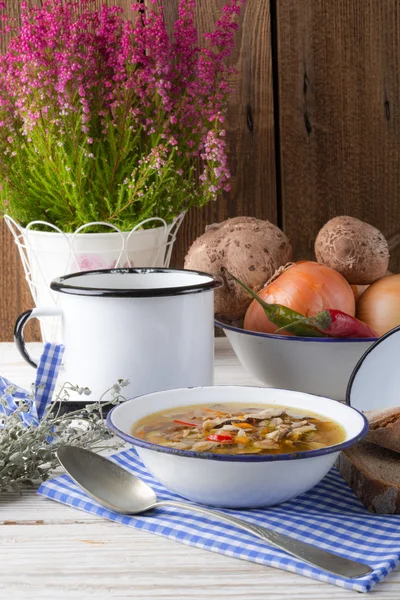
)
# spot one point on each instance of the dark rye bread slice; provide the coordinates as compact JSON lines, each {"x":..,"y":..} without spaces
{"x":373,"y":473}
{"x":384,"y":428}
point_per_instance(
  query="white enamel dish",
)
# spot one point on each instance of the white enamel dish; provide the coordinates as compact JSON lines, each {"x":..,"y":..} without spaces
{"x":314,"y":365}
{"x":236,"y":481}
{"x":375,"y":383}
{"x":152,"y":326}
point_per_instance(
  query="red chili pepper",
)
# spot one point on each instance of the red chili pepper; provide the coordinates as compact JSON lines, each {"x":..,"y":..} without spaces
{"x":218,"y":437}
{"x":339,"y":324}
{"x":184,"y":423}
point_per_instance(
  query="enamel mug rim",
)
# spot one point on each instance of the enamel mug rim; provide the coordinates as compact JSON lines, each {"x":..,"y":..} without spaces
{"x":66,"y":285}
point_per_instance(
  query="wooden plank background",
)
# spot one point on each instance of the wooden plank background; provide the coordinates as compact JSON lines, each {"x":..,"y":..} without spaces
{"x":250,"y":123}
{"x":339,"y":113}
{"x":313,"y":126}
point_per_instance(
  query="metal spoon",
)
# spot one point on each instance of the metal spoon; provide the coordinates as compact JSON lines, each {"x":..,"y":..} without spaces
{"x":120,"y":491}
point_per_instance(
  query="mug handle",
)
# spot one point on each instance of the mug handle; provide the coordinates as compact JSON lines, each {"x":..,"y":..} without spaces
{"x":20,"y":323}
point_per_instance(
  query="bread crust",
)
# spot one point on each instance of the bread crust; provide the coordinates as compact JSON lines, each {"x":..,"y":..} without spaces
{"x":367,"y":469}
{"x":384,"y":428}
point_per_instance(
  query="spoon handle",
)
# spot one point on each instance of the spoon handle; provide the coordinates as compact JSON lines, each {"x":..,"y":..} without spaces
{"x":306,"y":552}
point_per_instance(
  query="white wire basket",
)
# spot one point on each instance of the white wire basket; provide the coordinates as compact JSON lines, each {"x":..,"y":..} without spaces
{"x":53,"y":253}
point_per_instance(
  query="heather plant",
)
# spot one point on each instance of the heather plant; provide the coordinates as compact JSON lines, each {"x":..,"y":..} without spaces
{"x":103,"y":118}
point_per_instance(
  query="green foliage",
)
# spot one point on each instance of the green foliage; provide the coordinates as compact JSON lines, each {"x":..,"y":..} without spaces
{"x":55,"y":175}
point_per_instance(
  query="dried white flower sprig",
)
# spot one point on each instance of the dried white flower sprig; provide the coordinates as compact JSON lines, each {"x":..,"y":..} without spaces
{"x":28,"y":450}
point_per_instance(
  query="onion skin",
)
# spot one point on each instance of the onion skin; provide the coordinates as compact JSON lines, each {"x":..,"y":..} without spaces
{"x":379,"y":306}
{"x":358,"y":291}
{"x":306,"y":287}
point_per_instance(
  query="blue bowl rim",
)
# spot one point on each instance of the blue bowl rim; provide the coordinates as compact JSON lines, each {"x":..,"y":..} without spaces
{"x":289,"y":338}
{"x":359,"y":364}
{"x":134,"y":441}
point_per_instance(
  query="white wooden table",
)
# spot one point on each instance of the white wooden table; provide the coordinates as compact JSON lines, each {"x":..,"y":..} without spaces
{"x":48,"y":550}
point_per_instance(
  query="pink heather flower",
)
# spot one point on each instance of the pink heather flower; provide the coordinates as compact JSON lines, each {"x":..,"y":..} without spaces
{"x":73,"y":62}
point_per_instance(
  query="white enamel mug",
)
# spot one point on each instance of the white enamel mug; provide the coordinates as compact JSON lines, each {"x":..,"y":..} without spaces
{"x":152,"y":326}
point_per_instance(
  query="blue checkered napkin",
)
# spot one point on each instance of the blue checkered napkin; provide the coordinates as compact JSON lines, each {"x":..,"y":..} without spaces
{"x":10,"y":394}
{"x":46,"y":377}
{"x":328,"y":516}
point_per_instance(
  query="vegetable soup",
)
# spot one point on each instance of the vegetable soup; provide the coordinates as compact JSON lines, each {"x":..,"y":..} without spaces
{"x":239,"y":429}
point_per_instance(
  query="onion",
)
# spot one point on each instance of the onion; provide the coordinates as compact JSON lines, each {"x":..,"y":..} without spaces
{"x":379,"y":306}
{"x":306,"y":287}
{"x":358,"y":290}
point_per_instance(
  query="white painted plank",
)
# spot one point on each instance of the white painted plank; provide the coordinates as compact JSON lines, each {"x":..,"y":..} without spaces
{"x":103,"y":559}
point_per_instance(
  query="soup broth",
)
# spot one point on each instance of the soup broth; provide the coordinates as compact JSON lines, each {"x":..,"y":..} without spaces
{"x":239,"y":429}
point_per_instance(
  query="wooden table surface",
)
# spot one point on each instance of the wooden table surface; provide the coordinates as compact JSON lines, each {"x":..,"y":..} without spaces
{"x":48,"y":550}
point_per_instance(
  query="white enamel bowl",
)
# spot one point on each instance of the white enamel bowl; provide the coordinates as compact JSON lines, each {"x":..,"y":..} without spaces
{"x":374,"y":383}
{"x":236,"y":481}
{"x":314,"y":365}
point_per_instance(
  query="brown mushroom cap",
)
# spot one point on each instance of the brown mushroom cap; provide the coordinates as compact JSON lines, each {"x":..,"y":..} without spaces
{"x":355,"y":249}
{"x":249,"y":248}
